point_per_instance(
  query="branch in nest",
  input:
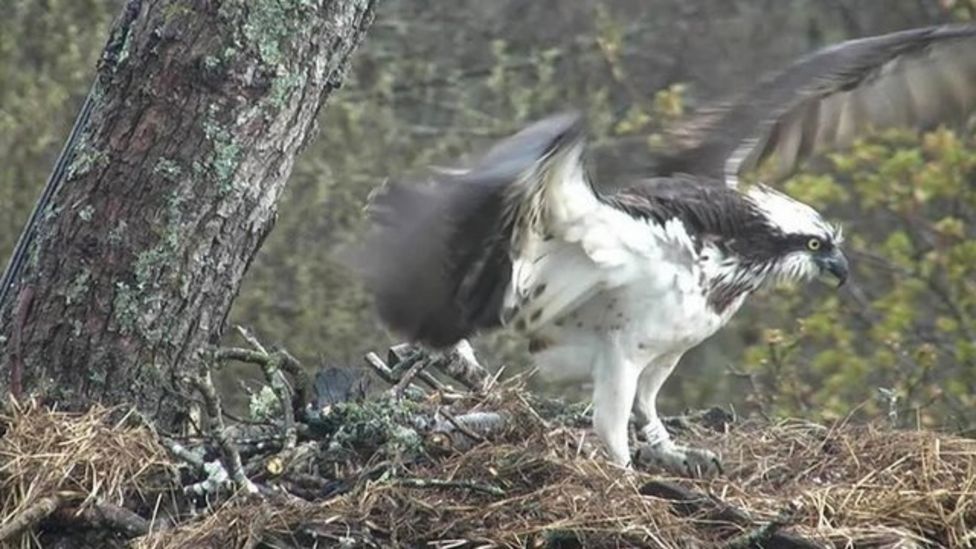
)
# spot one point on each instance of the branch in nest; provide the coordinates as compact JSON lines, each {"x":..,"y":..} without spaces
{"x":386,"y":373}
{"x":408,"y":376}
{"x":285,"y":461}
{"x":185,"y":454}
{"x":103,"y":516}
{"x":466,"y":430}
{"x":217,"y":477}
{"x":402,"y":352}
{"x":273,"y":364}
{"x":29,"y":517}
{"x":217,"y":429}
{"x":459,"y":363}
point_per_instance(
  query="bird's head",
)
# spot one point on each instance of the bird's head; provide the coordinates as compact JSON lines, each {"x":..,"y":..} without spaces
{"x":803,"y":244}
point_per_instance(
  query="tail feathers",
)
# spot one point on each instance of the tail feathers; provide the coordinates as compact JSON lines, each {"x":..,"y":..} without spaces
{"x":438,"y":255}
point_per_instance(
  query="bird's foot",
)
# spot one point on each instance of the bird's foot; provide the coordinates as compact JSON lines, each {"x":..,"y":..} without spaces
{"x":685,"y":461}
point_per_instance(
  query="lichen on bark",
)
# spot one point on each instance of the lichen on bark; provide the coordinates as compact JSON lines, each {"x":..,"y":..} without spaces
{"x":198,"y":111}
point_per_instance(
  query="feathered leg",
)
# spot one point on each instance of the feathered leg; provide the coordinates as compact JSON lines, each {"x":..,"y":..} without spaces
{"x":659,"y":451}
{"x":614,"y":386}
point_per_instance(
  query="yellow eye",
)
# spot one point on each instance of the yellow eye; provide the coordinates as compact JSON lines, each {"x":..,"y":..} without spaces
{"x":814,"y":244}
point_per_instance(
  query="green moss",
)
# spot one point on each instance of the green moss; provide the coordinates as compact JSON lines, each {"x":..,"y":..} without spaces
{"x":136,"y":304}
{"x":117,"y":233}
{"x":226,"y":152}
{"x":125,"y":306}
{"x":267,"y":25}
{"x":78,"y":287}
{"x":264,"y":405}
{"x":376,"y":425}
{"x":86,"y":213}
{"x":167,"y":168}
{"x":86,"y":158}
{"x":283,"y":86}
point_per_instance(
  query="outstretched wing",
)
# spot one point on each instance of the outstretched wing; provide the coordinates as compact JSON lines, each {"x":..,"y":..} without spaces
{"x":519,"y":236}
{"x":916,"y":78}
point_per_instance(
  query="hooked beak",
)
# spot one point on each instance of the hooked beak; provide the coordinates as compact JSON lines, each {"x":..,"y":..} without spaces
{"x":836,"y":265}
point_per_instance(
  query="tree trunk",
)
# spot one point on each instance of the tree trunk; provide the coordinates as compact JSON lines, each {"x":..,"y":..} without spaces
{"x":198,"y":110}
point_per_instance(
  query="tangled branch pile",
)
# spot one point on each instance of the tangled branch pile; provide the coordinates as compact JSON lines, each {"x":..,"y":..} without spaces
{"x":491,"y":466}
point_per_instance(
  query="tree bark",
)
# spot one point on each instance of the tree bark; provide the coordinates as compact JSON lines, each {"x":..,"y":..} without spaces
{"x":198,"y":110}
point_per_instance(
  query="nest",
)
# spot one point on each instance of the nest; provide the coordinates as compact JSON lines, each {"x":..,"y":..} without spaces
{"x":64,"y":466}
{"x":539,"y":479}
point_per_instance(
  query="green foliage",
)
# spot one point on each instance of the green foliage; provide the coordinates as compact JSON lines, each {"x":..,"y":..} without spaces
{"x":907,"y":323}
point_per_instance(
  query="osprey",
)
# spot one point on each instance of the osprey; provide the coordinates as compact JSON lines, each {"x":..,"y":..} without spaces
{"x":617,"y":286}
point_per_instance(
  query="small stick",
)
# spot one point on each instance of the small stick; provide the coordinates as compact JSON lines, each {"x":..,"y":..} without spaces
{"x":462,"y":427}
{"x":250,"y":339}
{"x":399,"y":352}
{"x":303,"y":385}
{"x":29,"y":517}
{"x":232,"y":458}
{"x":276,"y":378}
{"x":271,"y":365}
{"x":376,"y":363}
{"x":182,"y":452}
{"x":408,"y":376}
{"x":386,"y":374}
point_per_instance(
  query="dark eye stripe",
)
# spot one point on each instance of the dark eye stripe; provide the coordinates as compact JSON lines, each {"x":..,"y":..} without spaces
{"x":803,"y":242}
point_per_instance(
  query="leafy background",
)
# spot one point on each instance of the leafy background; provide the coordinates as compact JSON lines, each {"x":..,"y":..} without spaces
{"x":430,"y":86}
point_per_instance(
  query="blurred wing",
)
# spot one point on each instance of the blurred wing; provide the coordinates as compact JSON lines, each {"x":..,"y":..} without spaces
{"x":518,"y":237}
{"x":916,"y":78}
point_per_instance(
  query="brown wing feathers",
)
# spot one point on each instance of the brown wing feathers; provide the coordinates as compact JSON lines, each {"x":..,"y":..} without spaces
{"x":915,"y":79}
{"x":436,"y":258}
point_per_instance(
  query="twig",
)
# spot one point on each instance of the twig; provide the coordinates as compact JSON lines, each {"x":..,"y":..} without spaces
{"x":183,"y":453}
{"x":250,"y":339}
{"x":434,"y":483}
{"x":376,"y":363}
{"x":241,"y":355}
{"x":399,"y":353}
{"x":272,"y":365}
{"x":303,"y":384}
{"x":217,"y":477}
{"x":272,"y":370}
{"x":232,"y":458}
{"x":386,"y":374}
{"x":29,"y":517}
{"x":462,"y":427}
{"x":408,"y":376}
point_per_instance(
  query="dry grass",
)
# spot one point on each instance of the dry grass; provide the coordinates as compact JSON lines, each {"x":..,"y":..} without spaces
{"x":76,"y":458}
{"x":542,"y":484}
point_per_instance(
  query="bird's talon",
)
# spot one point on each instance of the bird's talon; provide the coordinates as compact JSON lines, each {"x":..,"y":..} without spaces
{"x":679,"y":460}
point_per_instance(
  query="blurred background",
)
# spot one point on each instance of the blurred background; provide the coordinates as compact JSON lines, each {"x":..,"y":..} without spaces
{"x":430,"y":86}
